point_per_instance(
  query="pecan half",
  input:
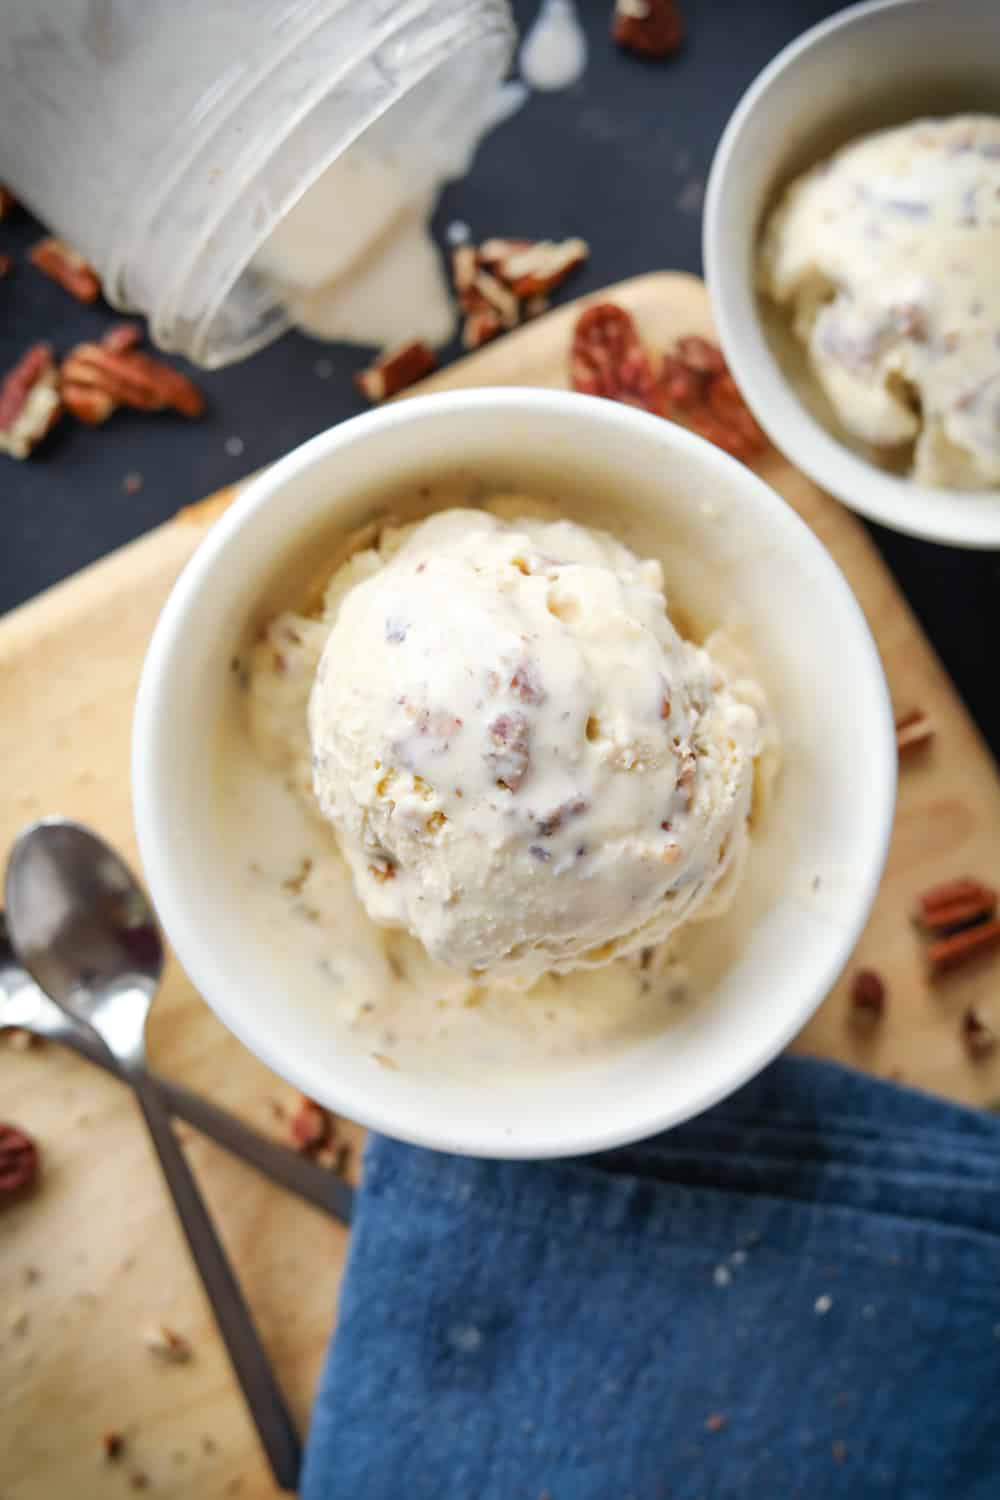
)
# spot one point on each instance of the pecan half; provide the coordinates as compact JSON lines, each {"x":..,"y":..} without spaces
{"x":19,"y":1161}
{"x":29,"y":402}
{"x":98,"y":378}
{"x":653,"y":28}
{"x":607,"y":359}
{"x":395,"y":370}
{"x":63,"y":265}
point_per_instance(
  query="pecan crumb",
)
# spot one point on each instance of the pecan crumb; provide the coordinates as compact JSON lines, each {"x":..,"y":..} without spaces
{"x":139,"y":1481}
{"x":651,"y":28}
{"x":978,"y":1034}
{"x":395,"y":370}
{"x":716,"y":1421}
{"x":312,"y":1126}
{"x":65,"y":266}
{"x":165,"y":1344}
{"x":867,"y":999}
{"x":113,"y":1444}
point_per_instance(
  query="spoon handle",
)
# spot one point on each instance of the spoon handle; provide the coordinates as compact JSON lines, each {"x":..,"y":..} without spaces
{"x":297,"y":1173}
{"x":249,"y":1361}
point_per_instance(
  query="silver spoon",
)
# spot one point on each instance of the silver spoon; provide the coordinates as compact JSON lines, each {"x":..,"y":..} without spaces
{"x":83,"y":928}
{"x":24,"y":1006}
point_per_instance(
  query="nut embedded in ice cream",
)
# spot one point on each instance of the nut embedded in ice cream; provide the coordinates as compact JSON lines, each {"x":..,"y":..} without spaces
{"x":525,"y":764}
{"x":887,"y":257}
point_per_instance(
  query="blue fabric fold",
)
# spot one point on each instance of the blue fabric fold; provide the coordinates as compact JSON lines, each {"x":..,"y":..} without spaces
{"x":796,"y":1294}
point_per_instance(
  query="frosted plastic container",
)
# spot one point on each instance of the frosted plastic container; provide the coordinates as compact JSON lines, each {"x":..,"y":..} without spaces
{"x":164,"y":139}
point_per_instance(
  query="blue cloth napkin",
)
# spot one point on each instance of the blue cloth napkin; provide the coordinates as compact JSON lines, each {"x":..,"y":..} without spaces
{"x":797,"y":1294}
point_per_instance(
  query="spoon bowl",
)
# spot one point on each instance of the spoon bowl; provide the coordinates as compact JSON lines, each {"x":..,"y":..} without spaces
{"x":85,"y":928}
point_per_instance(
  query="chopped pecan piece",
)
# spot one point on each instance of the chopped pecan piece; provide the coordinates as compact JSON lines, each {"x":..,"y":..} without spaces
{"x":979,"y":1036}
{"x":29,"y":402}
{"x":63,"y":265}
{"x":498,"y":297}
{"x":6,"y":265}
{"x":311,"y":1126}
{"x":948,"y":953}
{"x":963,"y":889}
{"x":480,"y":327}
{"x":509,"y":752}
{"x":913,"y":731}
{"x":493,"y":252}
{"x":113,"y":1444}
{"x":122,"y":337}
{"x":98,"y":378}
{"x":540,"y":267}
{"x":526,"y":682}
{"x":867,"y":999}
{"x":551,"y":824}
{"x":949,"y":916}
{"x":395,"y":370}
{"x":19,"y":1161}
{"x":653,"y":28}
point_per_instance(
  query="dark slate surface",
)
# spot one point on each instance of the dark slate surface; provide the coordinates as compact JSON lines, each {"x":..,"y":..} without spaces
{"x":644,"y":133}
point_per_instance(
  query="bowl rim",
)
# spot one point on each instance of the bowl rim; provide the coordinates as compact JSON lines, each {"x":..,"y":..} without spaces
{"x":154,"y":815}
{"x":944,"y":515}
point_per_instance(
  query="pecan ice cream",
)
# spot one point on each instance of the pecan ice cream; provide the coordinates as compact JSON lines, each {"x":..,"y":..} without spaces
{"x":525,"y":764}
{"x":887,"y":257}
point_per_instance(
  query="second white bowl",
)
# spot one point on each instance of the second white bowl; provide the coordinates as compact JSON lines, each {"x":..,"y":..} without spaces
{"x":867,"y":67}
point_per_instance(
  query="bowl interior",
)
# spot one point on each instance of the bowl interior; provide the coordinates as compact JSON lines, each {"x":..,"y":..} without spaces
{"x":868,"y":68}
{"x":734,"y":554}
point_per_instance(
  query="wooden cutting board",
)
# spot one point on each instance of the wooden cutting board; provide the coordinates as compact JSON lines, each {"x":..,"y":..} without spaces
{"x":95,"y":1256}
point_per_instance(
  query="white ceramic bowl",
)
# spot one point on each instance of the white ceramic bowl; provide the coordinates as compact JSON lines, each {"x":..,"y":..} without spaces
{"x":740,"y":554}
{"x":867,"y":67}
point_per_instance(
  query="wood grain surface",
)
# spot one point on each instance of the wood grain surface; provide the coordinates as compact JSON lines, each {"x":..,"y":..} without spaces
{"x":94,"y":1256}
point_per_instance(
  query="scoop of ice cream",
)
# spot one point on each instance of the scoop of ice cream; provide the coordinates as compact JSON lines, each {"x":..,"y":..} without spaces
{"x":887,"y":255}
{"x":525,"y":764}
